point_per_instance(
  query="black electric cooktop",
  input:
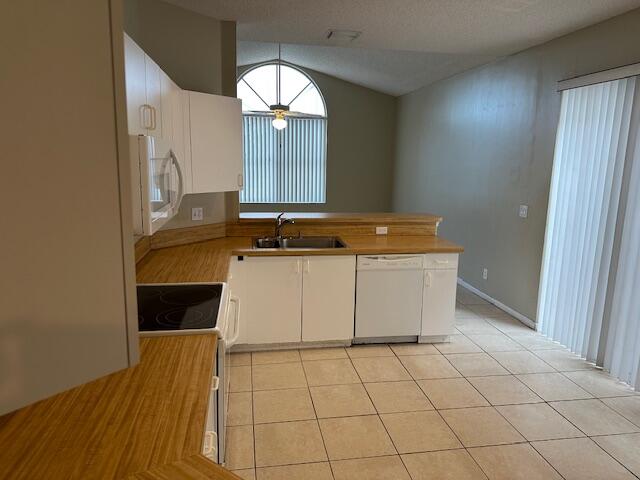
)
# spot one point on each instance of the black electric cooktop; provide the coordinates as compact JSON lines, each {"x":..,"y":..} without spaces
{"x":186,"y":306}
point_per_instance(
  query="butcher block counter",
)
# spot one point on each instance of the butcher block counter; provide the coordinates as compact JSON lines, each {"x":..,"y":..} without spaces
{"x":147,"y":422}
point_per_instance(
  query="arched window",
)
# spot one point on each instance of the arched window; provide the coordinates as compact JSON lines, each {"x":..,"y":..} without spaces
{"x":286,"y":165}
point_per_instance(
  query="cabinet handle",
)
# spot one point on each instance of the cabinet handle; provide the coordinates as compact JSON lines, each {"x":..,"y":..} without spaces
{"x":210,"y":441}
{"x":216,"y":383}
{"x":153,"y":118}
{"x":307,"y":266}
{"x":427,"y":278}
{"x":144,"y":108}
{"x":240,"y":180}
{"x":296,"y":270}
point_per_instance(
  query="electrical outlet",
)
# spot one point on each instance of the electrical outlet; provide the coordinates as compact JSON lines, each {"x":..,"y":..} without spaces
{"x":523,"y":212}
{"x":197,"y":213}
{"x":381,"y":230}
{"x":485,"y":273}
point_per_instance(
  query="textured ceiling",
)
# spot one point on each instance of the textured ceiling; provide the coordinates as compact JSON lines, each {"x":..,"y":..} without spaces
{"x":404,"y":43}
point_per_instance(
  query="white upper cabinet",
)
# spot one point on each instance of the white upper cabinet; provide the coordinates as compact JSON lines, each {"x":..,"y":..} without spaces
{"x":329,"y":285}
{"x":215,"y":126}
{"x":138,"y":116}
{"x":68,"y":311}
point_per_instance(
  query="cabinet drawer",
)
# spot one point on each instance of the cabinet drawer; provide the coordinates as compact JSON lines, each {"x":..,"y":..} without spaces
{"x":437,"y":261}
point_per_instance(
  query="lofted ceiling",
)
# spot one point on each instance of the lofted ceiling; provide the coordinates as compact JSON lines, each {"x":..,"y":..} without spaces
{"x":404,"y":44}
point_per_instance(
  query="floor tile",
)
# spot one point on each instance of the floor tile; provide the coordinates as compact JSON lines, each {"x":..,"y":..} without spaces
{"x":380,"y":369}
{"x":377,"y":468}
{"x":478,"y":326}
{"x":443,"y":465}
{"x":360,"y":351}
{"x":538,"y":421}
{"x":495,"y":343}
{"x":624,"y":448}
{"x":513,"y":462}
{"x":246,"y":474}
{"x":286,"y":405}
{"x":534,"y":341}
{"x":480,"y":426}
{"x":275,"y":356}
{"x":488,"y":310}
{"x":341,"y":401}
{"x":581,"y":459}
{"x":553,"y":386}
{"x":563,"y":360}
{"x":355,"y":437}
{"x":330,"y":372}
{"x":476,"y":364}
{"x":504,"y":390}
{"x":452,"y":393}
{"x":240,"y":410}
{"x":599,"y":383}
{"x":306,"y":471}
{"x":509,"y":325}
{"x":239,"y":359}
{"x":464,"y":311}
{"x":593,"y":417}
{"x":323,"y":353}
{"x":279,"y":375}
{"x":419,"y":432}
{"x":240,"y":380}
{"x":288,"y":443}
{"x":429,"y":366}
{"x":395,"y":397}
{"x":414,"y":349}
{"x":239,"y":447}
{"x":458,"y":344}
{"x":522,"y":362}
{"x":628,"y":407}
{"x":466,"y":297}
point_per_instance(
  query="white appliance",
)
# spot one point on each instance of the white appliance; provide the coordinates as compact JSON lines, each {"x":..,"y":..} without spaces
{"x":157,"y":183}
{"x":439,"y":300}
{"x":389,"y":291}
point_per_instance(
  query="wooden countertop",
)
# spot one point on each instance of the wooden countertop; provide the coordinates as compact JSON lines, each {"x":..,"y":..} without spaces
{"x":363,"y":245}
{"x":147,"y":422}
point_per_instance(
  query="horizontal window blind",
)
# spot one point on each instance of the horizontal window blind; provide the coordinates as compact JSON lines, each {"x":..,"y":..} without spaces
{"x":284,"y":166}
{"x":589,"y":160}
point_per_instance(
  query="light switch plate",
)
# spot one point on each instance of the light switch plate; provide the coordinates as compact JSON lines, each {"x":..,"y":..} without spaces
{"x":485,"y":273}
{"x":197,"y":213}
{"x":523,"y":212}
{"x":381,"y":230}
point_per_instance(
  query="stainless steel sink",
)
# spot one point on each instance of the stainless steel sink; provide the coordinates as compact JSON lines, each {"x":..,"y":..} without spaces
{"x":298,"y":242}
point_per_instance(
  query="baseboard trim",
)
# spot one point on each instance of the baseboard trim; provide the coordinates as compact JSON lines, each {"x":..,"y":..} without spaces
{"x":526,"y":320}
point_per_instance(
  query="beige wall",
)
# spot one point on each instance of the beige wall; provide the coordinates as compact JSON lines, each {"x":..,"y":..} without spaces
{"x":475,"y":146}
{"x":198,"y":53}
{"x":360,"y":149}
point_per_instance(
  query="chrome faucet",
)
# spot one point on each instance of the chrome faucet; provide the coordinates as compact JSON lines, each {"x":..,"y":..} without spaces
{"x":280,"y":223}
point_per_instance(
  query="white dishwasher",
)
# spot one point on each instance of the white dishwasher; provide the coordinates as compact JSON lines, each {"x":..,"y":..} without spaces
{"x":389,"y":292}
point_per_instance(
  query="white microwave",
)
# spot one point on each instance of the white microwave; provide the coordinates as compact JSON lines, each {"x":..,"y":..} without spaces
{"x":158,"y":184}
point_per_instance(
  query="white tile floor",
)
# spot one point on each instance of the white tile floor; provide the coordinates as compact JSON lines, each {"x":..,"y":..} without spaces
{"x":497,"y":402}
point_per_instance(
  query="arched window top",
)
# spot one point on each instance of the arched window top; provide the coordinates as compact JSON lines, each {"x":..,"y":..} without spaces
{"x":257,"y":87}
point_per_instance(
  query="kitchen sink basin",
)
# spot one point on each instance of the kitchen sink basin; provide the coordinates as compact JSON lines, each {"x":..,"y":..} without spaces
{"x":298,"y":242}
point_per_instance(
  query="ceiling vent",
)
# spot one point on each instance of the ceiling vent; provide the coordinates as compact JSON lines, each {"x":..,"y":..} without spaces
{"x":342,"y":36}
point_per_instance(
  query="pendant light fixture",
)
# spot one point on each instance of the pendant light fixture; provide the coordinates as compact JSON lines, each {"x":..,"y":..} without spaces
{"x":278,"y":109}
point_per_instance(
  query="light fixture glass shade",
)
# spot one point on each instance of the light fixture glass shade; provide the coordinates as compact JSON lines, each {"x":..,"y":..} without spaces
{"x":279,"y":122}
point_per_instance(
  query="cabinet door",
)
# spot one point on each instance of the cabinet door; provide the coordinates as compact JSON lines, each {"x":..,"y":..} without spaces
{"x":68,"y":305}
{"x":135,"y":81}
{"x":216,"y":142}
{"x":328,"y":298}
{"x":439,"y":302}
{"x":154,"y":96}
{"x":273,"y":299}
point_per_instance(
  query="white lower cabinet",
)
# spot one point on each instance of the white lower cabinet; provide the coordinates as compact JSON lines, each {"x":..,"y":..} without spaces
{"x":273,"y":299}
{"x":439,"y":295}
{"x":328,"y":298}
{"x":294,"y":299}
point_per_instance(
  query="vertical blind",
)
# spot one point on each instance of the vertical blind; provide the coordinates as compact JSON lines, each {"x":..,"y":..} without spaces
{"x":622,"y":352}
{"x":284,"y":166}
{"x":591,"y":148}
